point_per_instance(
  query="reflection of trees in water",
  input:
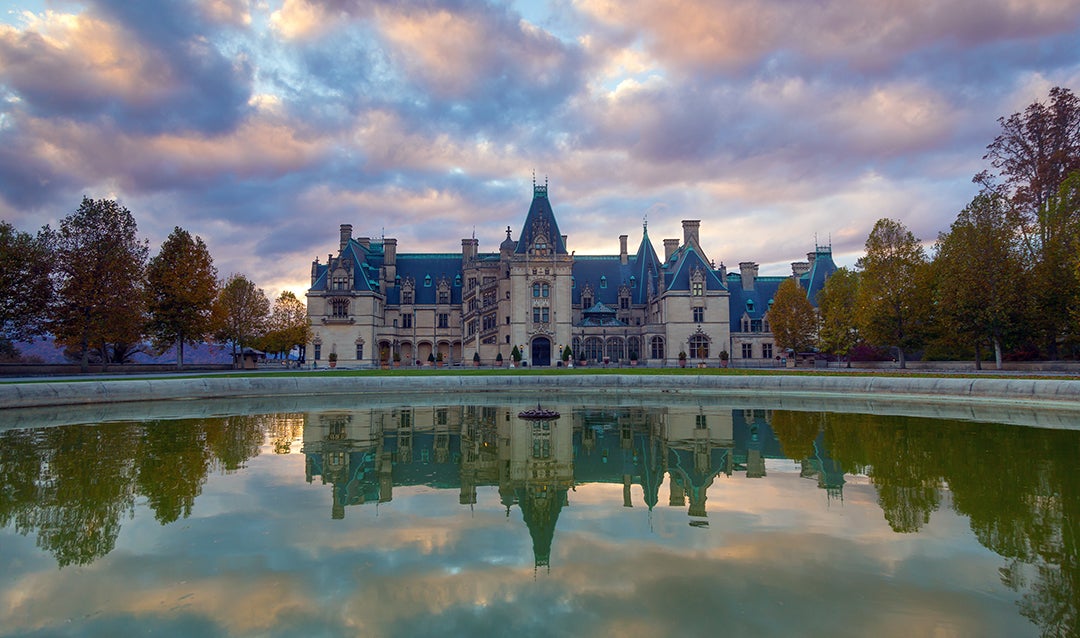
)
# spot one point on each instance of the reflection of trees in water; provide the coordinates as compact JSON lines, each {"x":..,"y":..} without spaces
{"x":72,"y":485}
{"x":1018,"y":486}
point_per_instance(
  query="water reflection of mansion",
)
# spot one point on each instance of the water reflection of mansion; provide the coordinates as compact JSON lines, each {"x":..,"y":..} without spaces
{"x":364,"y":454}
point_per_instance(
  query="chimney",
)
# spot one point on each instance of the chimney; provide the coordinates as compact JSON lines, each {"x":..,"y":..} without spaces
{"x":564,"y":242}
{"x":748,"y":270}
{"x":468,"y":250}
{"x":389,"y":261}
{"x":799,"y":268}
{"x":314,"y":270}
{"x":690,"y":232}
{"x":623,"y":258}
{"x":723,"y":273}
{"x":810,"y":257}
{"x":346,"y":235}
{"x":365,"y":242}
{"x":670,"y":246}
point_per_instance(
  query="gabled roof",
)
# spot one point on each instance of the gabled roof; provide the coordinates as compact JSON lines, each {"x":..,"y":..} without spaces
{"x":679,"y":269}
{"x":540,"y":219}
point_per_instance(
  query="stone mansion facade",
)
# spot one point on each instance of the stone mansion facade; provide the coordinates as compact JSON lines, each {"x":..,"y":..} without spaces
{"x":370,"y":305}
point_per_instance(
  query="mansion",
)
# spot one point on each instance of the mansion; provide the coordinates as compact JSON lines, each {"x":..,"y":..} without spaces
{"x":370,"y":305}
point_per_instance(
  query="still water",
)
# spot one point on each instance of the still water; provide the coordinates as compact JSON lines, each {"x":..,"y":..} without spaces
{"x":463,"y":519}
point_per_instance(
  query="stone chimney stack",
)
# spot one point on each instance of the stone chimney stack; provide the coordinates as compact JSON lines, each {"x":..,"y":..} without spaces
{"x":346,"y":235}
{"x":365,"y":242}
{"x":390,"y":261}
{"x":670,"y":246}
{"x":468,"y":250}
{"x":564,"y":241}
{"x":314,"y":271}
{"x":748,"y":270}
{"x":810,"y":257}
{"x":623,"y":257}
{"x":799,"y":268}
{"x":690,"y":229}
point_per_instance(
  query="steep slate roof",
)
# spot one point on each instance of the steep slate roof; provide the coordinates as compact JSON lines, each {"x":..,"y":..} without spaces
{"x":540,"y":214}
{"x":426,"y":271}
{"x":764,"y":291}
{"x":822,"y":268}
{"x":682,"y":262}
{"x":646,"y":266}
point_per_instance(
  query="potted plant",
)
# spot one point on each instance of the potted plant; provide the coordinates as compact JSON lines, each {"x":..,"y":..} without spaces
{"x":723,"y":358}
{"x":333,"y":359}
{"x":567,"y":355}
{"x":498,"y":360}
{"x":476,"y":359}
{"x":633,"y":357}
{"x":682,"y":359}
{"x":397,"y":359}
{"x":515,"y":357}
{"x":431,"y":359}
{"x":384,"y":358}
{"x":439,"y":360}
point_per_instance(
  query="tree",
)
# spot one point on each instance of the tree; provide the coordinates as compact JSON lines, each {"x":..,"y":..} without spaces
{"x":288,"y":325}
{"x":1034,"y":153}
{"x":892,"y":304}
{"x":977,"y":266}
{"x":240,"y":313}
{"x":1058,"y":289}
{"x":26,"y":292}
{"x":181,"y":288}
{"x":100,"y":264}
{"x":837,"y":302}
{"x":792,"y":318}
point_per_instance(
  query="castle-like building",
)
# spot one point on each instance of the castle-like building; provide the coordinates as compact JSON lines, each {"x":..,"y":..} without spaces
{"x":370,"y":305}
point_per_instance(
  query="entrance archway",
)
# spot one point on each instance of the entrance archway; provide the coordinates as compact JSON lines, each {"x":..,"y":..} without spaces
{"x":541,"y":352}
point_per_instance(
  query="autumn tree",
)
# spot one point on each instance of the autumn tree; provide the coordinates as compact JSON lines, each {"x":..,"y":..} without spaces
{"x":181,"y":289}
{"x":240,"y":313}
{"x":977,"y":266}
{"x":837,"y":303}
{"x":100,"y":264}
{"x":892,"y":305}
{"x":1032,"y":158}
{"x":792,"y":318}
{"x":288,"y":325}
{"x":25,"y":284}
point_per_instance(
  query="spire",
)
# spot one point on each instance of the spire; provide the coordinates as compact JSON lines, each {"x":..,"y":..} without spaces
{"x":540,"y":223}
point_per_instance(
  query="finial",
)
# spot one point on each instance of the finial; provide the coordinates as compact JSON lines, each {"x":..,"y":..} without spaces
{"x":645,"y":221}
{"x":508,"y":232}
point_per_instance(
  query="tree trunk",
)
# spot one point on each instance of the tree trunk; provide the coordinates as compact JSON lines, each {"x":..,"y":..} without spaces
{"x":978,"y":355}
{"x":180,"y":353}
{"x":997,"y":352}
{"x":903,"y":359}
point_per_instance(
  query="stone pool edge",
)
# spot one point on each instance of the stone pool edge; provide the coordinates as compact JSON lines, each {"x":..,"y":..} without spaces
{"x":1045,"y":392}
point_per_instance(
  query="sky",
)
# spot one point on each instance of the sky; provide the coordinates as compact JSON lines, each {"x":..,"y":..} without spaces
{"x":262,"y":125}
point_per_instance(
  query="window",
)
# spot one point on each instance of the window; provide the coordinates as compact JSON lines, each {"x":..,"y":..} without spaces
{"x":656,"y":346}
{"x":697,"y":288}
{"x":318,"y":351}
{"x":444,"y":296}
{"x":755,"y":325}
{"x":766,"y":350}
{"x":749,"y":305}
{"x":444,"y":320}
{"x":339,"y":308}
{"x":407,"y":297}
{"x":594,"y":349}
{"x":747,"y":351}
{"x":603,"y":281}
{"x":700,"y":421}
{"x":633,"y":281}
{"x":540,"y":314}
{"x":406,"y":320}
{"x":586,"y":302}
{"x":457,"y":281}
{"x":359,"y":351}
{"x":699,"y":347}
{"x":699,"y":315}
{"x":541,"y":290}
{"x":544,"y":314}
{"x":341,"y":283}
{"x":489,"y":322}
{"x":624,"y":303}
{"x":427,"y":281}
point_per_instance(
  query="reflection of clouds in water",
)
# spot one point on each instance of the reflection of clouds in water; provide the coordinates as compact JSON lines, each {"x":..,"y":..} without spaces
{"x":263,"y":556}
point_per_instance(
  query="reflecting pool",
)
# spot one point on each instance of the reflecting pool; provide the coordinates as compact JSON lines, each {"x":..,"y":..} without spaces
{"x":460,"y":518}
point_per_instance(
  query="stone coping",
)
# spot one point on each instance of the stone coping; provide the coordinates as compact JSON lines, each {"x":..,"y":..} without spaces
{"x":1062,"y":393}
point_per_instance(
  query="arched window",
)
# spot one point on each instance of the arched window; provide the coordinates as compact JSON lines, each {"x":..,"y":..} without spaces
{"x":594,"y":349}
{"x":616,"y":349}
{"x":656,"y":346}
{"x":699,"y":347}
{"x":339,"y":308}
{"x":633,"y":347}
